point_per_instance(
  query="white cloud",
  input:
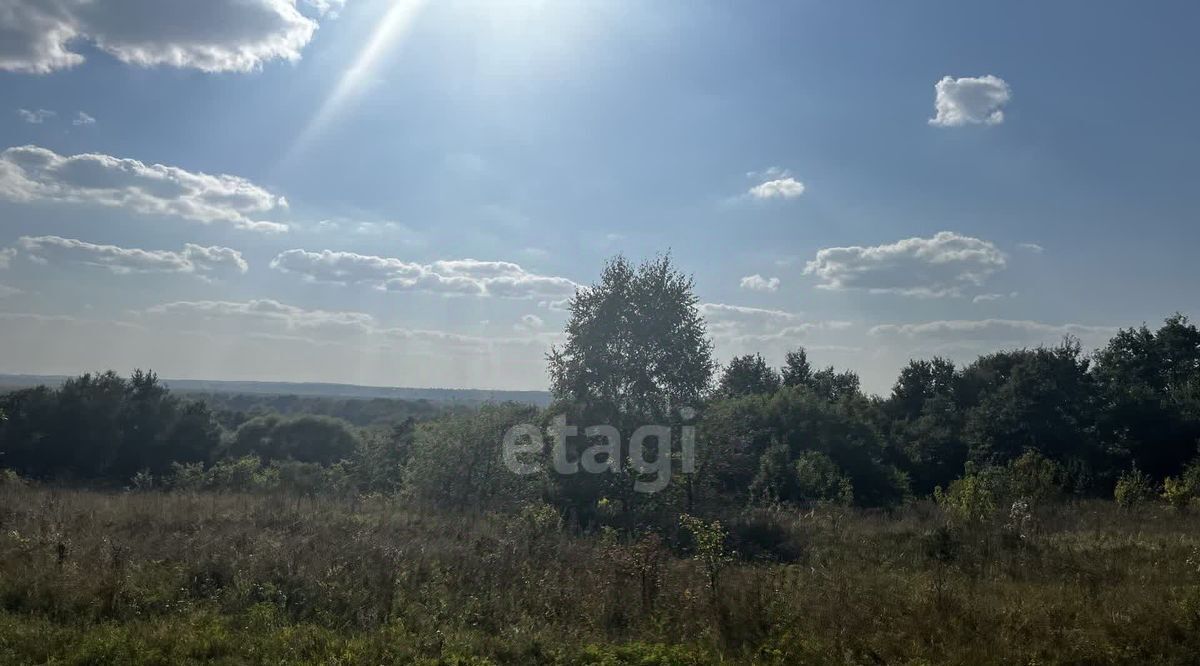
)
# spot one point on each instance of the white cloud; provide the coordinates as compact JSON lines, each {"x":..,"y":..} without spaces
{"x":195,"y":259}
{"x":275,"y":320}
{"x":757,"y":282}
{"x":83,"y":119}
{"x":6,"y":255}
{"x":343,"y":267}
{"x":37,"y":36}
{"x":737,"y":329}
{"x":1032,"y":247}
{"x":734,"y":320}
{"x":327,"y":8}
{"x":389,"y":231}
{"x":984,"y":298}
{"x":31,"y":173}
{"x":992,"y":332}
{"x":774,"y":183}
{"x":787,"y":335}
{"x":289,"y":317}
{"x":970,"y":101}
{"x":782,"y":188}
{"x":926,"y":267}
{"x":451,"y":277}
{"x":37,"y":116}
{"x":6,"y":291}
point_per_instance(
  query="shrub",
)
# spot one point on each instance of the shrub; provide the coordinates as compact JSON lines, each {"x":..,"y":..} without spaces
{"x":1134,"y":487}
{"x":971,"y":500}
{"x":142,"y":481}
{"x":709,"y":546}
{"x":819,"y":478}
{"x":540,"y":518}
{"x":1034,"y":478}
{"x":1177,"y":493}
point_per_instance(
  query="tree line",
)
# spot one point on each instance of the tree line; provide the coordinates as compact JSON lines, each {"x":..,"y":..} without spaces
{"x":636,"y":352}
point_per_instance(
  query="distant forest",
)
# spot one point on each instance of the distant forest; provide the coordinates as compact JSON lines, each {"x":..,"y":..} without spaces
{"x":1125,"y":420}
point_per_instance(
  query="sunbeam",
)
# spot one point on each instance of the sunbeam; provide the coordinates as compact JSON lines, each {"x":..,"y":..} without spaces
{"x":387,"y":35}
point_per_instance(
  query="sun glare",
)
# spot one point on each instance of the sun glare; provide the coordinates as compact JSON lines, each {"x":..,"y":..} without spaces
{"x":393,"y":26}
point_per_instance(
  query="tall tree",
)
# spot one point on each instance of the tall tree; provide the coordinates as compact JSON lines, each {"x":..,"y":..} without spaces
{"x":636,"y":343}
{"x":796,"y":369}
{"x":748,"y":375}
{"x":637,"y":353}
{"x":1149,"y":385}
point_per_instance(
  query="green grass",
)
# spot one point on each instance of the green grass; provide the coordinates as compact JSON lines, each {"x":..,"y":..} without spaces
{"x":166,"y":578}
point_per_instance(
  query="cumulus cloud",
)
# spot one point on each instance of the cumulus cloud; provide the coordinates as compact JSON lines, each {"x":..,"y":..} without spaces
{"x":451,"y":277}
{"x":32,"y":173}
{"x":204,"y":261}
{"x":757,"y":282}
{"x":775,"y":183}
{"x":6,"y":255}
{"x":41,"y":36}
{"x":343,"y":267}
{"x":970,"y":101}
{"x":783,"y":188}
{"x":927,"y":267}
{"x":82,"y":119}
{"x":36,"y":116}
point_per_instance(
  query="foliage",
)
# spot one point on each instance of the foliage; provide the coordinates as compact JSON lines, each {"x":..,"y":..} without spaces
{"x":748,"y":375}
{"x":1133,"y":487}
{"x":809,"y":477}
{"x":636,"y":354}
{"x":708,"y":546}
{"x":1181,"y":490}
{"x":984,"y":494}
{"x":972,"y":500}
{"x":103,"y":426}
{"x":636,"y":344}
{"x":819,"y":479}
{"x":456,"y":460}
{"x":752,"y":444}
{"x":313,"y":439}
{"x":1177,"y":493}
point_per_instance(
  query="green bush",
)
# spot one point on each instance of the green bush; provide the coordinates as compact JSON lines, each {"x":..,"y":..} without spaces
{"x":1034,"y":478}
{"x":819,"y":478}
{"x":1180,"y":491}
{"x":1177,"y":493}
{"x":971,"y":500}
{"x":1134,"y":487}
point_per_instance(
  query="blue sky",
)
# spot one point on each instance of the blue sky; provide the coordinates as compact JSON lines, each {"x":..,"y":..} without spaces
{"x":874,"y":181}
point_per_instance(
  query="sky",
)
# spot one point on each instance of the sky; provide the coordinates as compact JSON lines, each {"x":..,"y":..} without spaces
{"x":406,"y":192}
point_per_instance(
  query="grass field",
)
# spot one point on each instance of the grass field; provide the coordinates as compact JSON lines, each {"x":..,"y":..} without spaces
{"x":163,"y":578}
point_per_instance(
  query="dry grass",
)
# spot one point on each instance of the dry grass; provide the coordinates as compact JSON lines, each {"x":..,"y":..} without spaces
{"x":90,"y":577}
